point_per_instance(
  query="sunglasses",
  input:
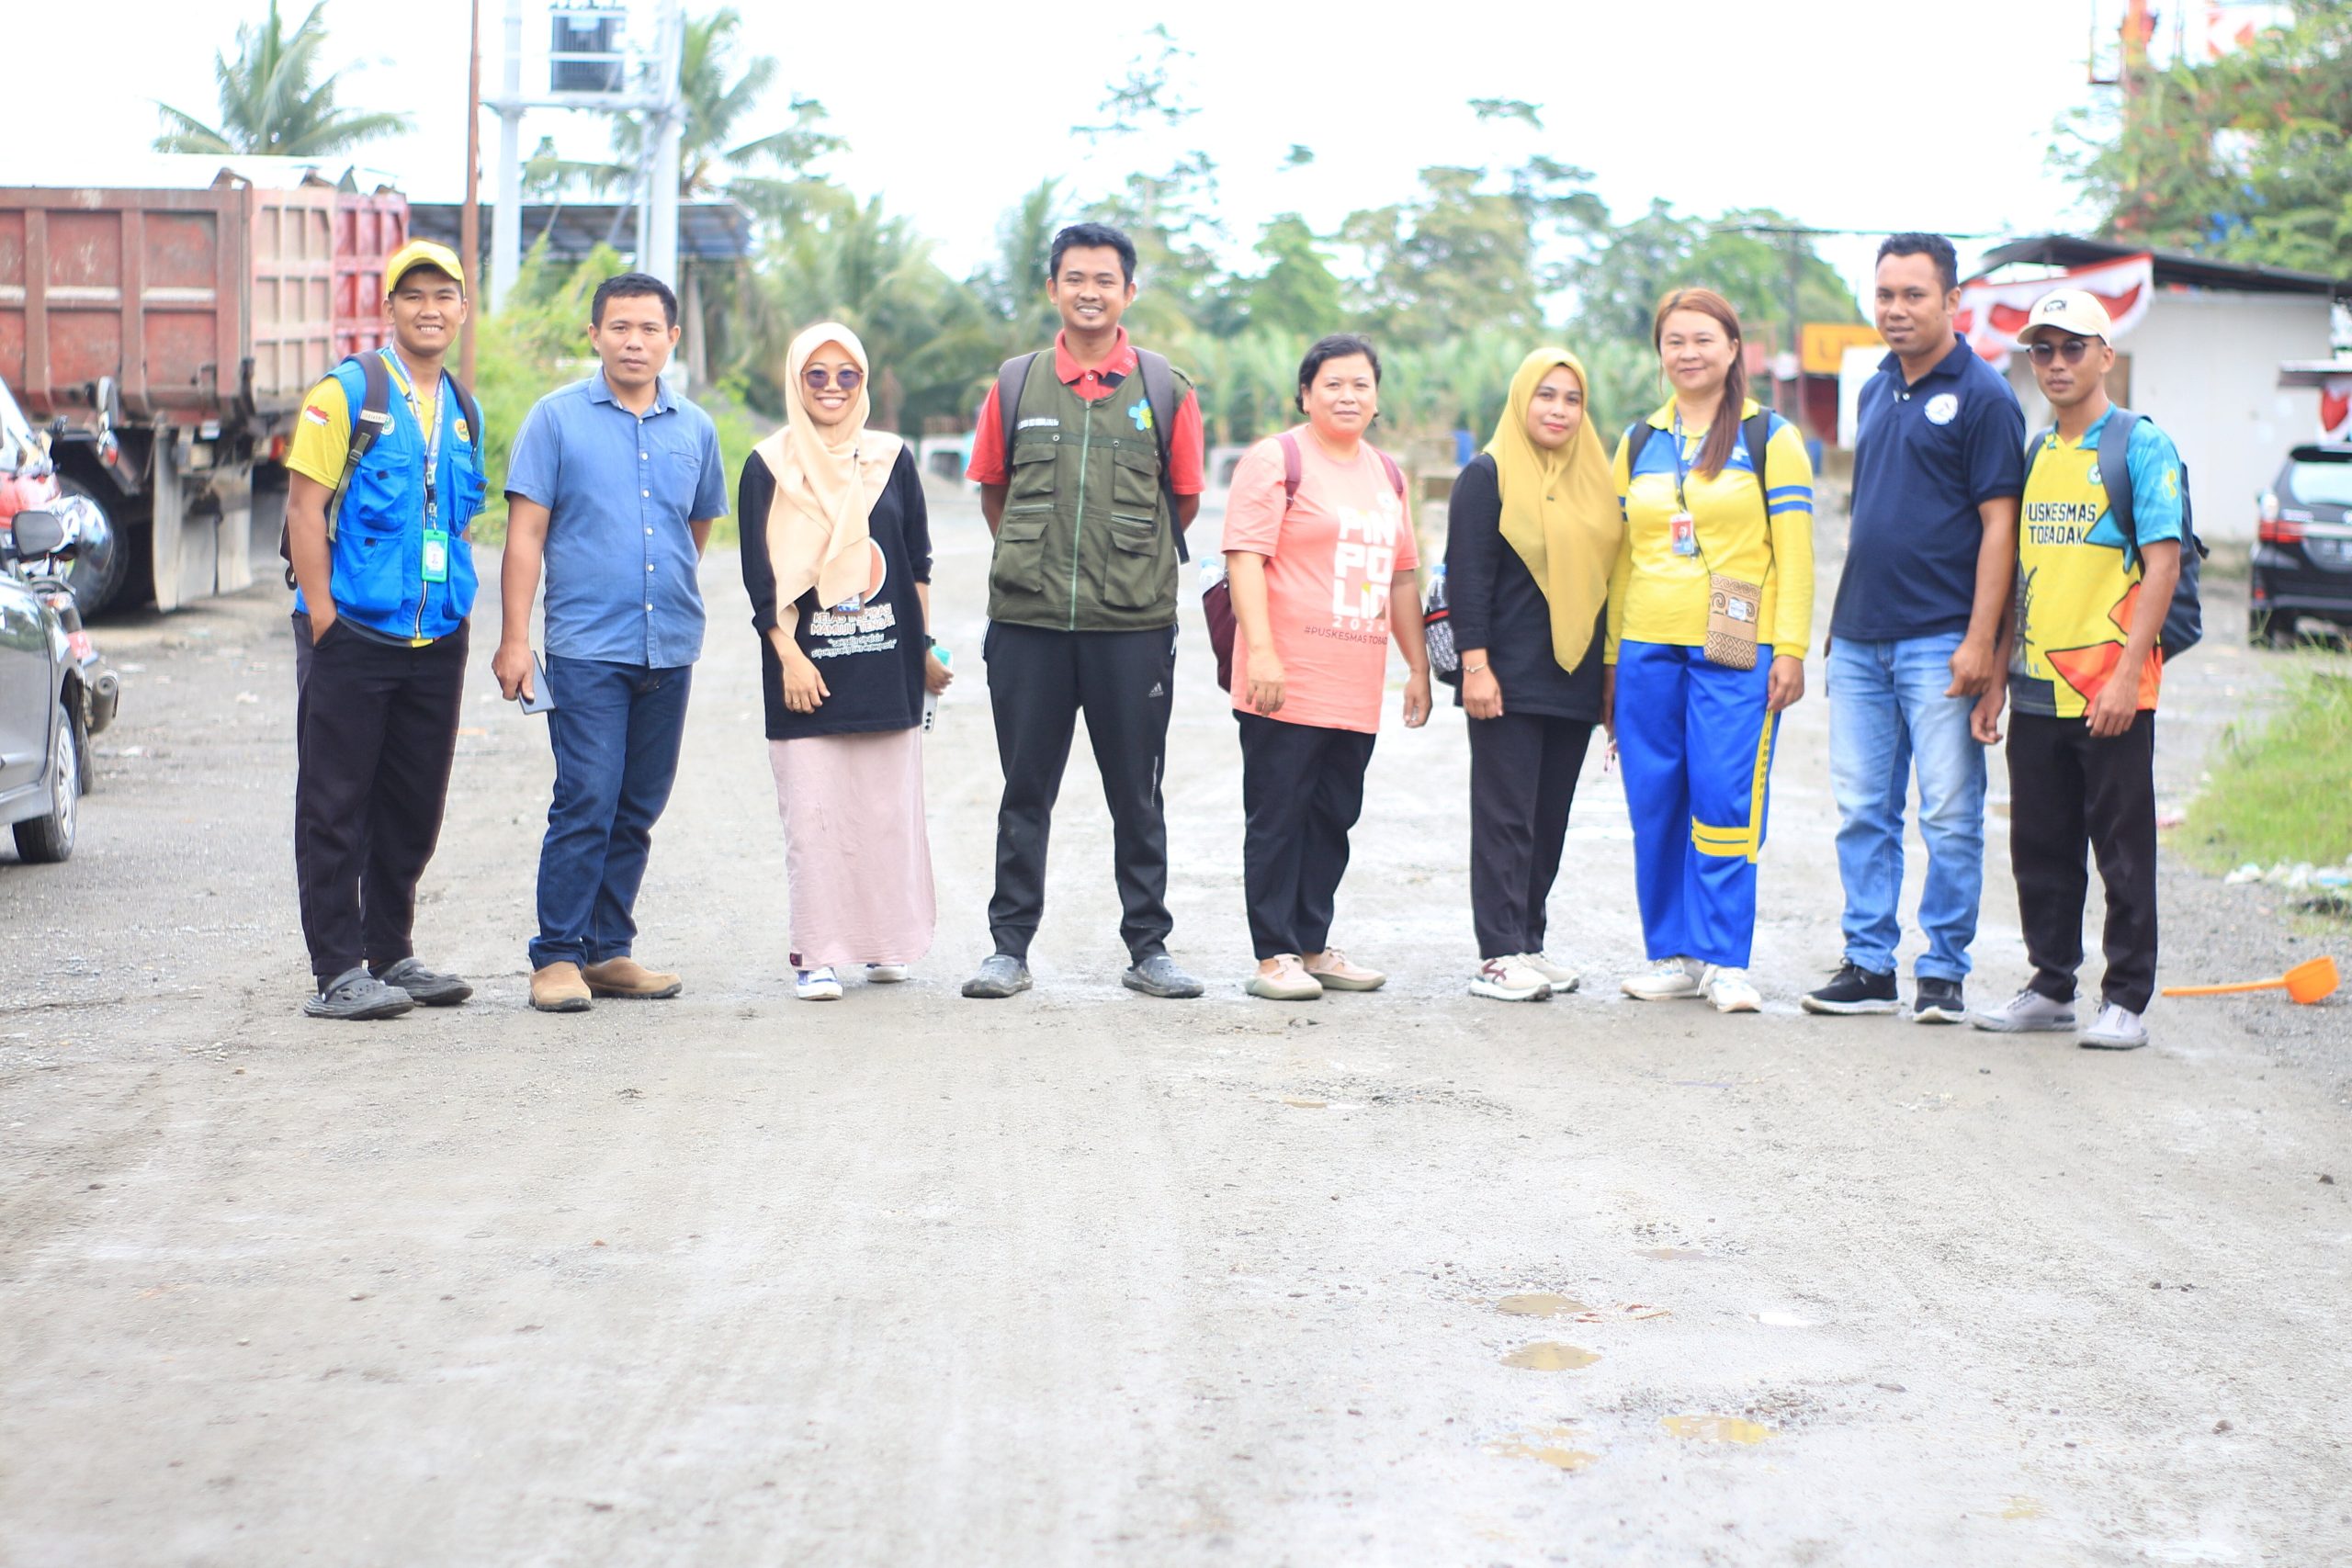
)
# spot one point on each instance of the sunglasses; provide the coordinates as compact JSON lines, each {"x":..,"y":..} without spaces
{"x":849,"y":380}
{"x":2071,"y":350}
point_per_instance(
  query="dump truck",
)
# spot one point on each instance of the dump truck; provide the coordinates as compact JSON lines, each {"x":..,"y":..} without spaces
{"x":163,"y":337}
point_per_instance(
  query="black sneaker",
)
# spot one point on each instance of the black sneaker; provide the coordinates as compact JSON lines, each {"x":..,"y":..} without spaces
{"x":1854,"y":990}
{"x":1938,"y":1001}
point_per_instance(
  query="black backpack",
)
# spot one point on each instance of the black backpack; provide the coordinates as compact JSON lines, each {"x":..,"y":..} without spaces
{"x":2184,"y":626}
{"x":1158,"y":390}
{"x":373,"y":417}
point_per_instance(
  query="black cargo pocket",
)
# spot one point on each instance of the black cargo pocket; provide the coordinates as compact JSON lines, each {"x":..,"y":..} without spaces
{"x":1141,"y":572}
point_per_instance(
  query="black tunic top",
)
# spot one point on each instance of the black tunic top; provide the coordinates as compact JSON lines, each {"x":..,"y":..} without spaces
{"x":1494,"y":604}
{"x":872,"y":657}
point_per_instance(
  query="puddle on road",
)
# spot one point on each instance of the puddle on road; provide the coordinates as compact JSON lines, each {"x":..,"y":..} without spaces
{"x":1546,"y":1445}
{"x":1716,"y":1428}
{"x":1540,"y":1303}
{"x":1550,"y":1355}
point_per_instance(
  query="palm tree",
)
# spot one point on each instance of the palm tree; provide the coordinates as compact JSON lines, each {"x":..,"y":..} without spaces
{"x":270,"y":103}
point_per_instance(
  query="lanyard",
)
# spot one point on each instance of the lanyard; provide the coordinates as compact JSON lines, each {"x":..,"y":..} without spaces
{"x":432,"y":432}
{"x":1681,"y":468}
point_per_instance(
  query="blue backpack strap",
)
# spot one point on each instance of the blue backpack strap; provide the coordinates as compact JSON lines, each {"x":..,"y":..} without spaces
{"x":368,"y":423}
{"x":1637,"y":435}
{"x":2115,"y":475}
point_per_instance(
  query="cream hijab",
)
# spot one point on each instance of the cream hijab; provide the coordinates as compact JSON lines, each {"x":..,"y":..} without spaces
{"x":827,"y":480}
{"x":1559,"y":508}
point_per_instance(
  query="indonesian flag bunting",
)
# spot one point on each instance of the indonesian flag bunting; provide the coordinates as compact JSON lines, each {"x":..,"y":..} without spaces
{"x":2335,"y":409}
{"x":1992,"y":314}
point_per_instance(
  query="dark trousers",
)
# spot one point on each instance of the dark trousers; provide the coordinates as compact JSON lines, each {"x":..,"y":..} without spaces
{"x":615,"y":730}
{"x":1039,"y":680}
{"x":2069,"y":791}
{"x":1302,"y":789}
{"x":375,"y":729}
{"x":1523,"y":770}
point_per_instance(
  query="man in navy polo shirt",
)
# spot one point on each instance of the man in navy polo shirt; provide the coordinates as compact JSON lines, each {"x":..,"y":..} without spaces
{"x":1938,"y":466}
{"x":614,"y":483}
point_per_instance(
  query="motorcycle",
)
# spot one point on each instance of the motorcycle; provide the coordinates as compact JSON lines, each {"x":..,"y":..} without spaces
{"x":44,"y":573}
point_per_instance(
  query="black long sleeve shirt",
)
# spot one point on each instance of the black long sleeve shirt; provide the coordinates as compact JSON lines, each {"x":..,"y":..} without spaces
{"x":1494,"y":604}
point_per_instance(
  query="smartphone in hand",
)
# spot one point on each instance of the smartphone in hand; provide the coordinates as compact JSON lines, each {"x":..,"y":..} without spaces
{"x":540,"y":698}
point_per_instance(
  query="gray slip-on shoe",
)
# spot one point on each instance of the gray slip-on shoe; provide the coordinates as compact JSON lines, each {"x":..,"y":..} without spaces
{"x":1000,"y":975}
{"x":1158,"y":976}
{"x":427,"y":985}
{"x":356,"y":995}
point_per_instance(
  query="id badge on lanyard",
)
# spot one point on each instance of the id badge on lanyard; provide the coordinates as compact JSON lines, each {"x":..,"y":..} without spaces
{"x":437,"y":538}
{"x":1682,"y":529}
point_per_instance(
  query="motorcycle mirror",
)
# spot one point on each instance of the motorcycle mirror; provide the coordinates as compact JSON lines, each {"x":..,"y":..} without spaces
{"x":37,"y":534}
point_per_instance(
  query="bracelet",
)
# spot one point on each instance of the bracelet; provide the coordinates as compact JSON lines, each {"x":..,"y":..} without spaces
{"x":1474,"y":668}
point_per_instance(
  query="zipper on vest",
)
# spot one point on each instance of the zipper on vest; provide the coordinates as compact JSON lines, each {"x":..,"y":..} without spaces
{"x":1077,"y":526}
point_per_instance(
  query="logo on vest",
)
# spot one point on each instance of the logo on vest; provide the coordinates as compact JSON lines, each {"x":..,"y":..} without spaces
{"x":1141,"y":415}
{"x":1942,"y":407}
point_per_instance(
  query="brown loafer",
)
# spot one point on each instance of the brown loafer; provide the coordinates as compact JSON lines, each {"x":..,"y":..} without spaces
{"x":559,"y":989}
{"x":625,"y":976}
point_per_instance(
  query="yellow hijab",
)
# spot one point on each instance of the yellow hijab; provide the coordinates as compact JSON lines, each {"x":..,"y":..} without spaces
{"x":1559,"y":508}
{"x":827,"y":480}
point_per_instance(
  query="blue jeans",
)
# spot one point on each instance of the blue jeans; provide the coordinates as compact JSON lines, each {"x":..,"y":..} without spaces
{"x":1888,"y":711}
{"x":615,"y":728}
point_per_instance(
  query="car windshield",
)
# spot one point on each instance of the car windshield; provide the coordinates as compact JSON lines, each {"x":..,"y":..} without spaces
{"x":2321,"y":483}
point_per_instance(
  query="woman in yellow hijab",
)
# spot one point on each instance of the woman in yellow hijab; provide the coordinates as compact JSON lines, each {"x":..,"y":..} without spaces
{"x":1532,"y":530}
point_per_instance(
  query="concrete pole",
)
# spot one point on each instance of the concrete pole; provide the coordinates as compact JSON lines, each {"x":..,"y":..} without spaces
{"x":660,"y":255}
{"x":469,"y":225}
{"x":506,"y":226}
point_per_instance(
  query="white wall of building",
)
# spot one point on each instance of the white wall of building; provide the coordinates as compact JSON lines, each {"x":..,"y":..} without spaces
{"x":2205,"y":367}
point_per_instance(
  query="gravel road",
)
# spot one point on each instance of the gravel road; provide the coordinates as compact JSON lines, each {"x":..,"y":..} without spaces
{"x":1084,"y":1278}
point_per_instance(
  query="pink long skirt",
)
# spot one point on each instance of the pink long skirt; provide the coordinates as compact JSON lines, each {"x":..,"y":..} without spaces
{"x":856,"y":856}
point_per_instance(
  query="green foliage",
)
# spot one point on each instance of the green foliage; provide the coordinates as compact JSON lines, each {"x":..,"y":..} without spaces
{"x":273,"y":101}
{"x":2244,"y":158}
{"x":1744,"y":256}
{"x":2278,"y":788}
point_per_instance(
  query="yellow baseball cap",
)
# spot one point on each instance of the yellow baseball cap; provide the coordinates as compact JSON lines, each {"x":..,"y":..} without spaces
{"x":2075,"y":312}
{"x":417,"y":254}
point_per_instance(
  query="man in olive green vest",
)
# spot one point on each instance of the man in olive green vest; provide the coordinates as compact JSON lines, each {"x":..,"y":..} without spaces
{"x":1082,"y":599}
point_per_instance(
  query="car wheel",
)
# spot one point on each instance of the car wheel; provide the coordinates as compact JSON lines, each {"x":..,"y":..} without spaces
{"x":45,"y":841}
{"x":101,"y":559}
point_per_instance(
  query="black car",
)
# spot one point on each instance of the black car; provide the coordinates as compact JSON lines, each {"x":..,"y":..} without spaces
{"x":2302,"y":551}
{"x":42,"y":706}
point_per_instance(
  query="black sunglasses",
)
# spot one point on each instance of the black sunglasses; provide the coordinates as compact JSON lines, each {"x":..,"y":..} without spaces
{"x":2071,"y":350}
{"x":819,"y":380}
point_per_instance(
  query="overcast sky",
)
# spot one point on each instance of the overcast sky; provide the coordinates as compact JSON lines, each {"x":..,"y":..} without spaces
{"x":1865,"y":115}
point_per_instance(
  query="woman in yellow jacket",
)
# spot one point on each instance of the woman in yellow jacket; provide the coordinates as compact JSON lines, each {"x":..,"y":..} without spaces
{"x":1709,"y":614}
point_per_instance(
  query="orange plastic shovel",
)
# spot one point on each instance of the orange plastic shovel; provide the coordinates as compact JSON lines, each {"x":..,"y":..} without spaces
{"x":2306,"y":982}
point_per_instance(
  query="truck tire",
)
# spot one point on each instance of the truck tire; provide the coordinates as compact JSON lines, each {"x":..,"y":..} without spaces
{"x":97,"y":571}
{"x":45,"y":841}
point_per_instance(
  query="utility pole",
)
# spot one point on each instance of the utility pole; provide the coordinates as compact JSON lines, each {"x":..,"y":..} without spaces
{"x":506,"y":235}
{"x":470,"y":224}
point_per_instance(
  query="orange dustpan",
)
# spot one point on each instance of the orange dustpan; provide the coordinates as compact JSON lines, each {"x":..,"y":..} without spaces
{"x":2306,"y":982}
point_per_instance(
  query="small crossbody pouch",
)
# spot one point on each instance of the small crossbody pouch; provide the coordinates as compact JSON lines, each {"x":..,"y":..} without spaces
{"x":1734,"y":609}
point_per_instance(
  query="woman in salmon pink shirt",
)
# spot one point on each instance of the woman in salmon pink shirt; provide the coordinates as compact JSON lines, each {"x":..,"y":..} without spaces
{"x":1319,"y":548}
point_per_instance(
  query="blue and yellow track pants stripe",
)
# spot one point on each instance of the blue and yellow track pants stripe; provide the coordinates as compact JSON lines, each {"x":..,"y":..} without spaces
{"x":1697,"y":748}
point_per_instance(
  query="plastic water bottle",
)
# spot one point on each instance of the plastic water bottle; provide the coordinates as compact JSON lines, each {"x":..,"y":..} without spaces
{"x":930,"y":697}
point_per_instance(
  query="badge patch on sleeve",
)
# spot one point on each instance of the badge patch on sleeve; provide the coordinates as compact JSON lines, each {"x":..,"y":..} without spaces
{"x":458,"y":424}
{"x":314,"y":413}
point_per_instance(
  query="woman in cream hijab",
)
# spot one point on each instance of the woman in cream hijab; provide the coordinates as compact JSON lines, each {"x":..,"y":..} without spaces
{"x":1531,"y":534}
{"x":837,"y":561}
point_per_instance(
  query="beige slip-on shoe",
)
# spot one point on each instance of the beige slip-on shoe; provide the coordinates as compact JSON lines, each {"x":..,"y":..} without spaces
{"x":559,"y":989}
{"x":1331,"y":967}
{"x":625,"y":976}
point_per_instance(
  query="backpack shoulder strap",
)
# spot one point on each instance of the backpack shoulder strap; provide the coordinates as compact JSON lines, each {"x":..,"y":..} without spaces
{"x":470,"y":408}
{"x":2115,"y":474}
{"x":1159,"y":389}
{"x":1011,"y":379}
{"x":1637,"y":435}
{"x":368,"y":422}
{"x":1757,"y":430}
{"x":1294,"y":467}
{"x":1395,"y":474}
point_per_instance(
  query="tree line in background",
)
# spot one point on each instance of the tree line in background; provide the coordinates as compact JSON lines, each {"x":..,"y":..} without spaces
{"x":2243,"y":157}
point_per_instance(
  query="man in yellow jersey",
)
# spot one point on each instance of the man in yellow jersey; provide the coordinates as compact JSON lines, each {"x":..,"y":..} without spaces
{"x":386,"y":580}
{"x":2095,"y":574}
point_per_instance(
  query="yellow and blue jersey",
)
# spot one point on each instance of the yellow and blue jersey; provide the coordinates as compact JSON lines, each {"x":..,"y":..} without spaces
{"x":2076,"y":587}
{"x":1655,"y":595}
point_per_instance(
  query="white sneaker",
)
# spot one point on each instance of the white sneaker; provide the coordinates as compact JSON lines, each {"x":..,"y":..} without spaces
{"x":1564,"y":979}
{"x":887,"y":974}
{"x":1664,"y":981}
{"x":1729,"y":989}
{"x":2028,"y":1012}
{"x":2118,"y":1029}
{"x":1509,"y":979}
{"x":817,"y":984}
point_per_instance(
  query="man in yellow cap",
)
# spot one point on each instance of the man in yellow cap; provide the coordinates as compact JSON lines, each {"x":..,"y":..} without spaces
{"x":384,"y":476}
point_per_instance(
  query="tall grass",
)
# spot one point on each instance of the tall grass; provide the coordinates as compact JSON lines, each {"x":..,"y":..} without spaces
{"x":2281,"y":789}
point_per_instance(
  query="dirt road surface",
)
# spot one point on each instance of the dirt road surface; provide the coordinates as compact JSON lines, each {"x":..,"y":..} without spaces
{"x":1085,"y":1278}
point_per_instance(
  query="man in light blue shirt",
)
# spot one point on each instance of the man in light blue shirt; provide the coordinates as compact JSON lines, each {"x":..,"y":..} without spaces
{"x":613,"y":485}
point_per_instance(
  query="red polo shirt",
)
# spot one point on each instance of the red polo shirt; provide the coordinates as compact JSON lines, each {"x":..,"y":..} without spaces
{"x":1186,"y":444}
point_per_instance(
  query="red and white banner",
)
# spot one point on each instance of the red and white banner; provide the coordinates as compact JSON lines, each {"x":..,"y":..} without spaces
{"x":2335,"y":409}
{"x":1992,"y":314}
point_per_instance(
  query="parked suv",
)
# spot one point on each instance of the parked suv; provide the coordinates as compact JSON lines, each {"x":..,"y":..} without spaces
{"x":42,"y":702}
{"x":2302,"y":551}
